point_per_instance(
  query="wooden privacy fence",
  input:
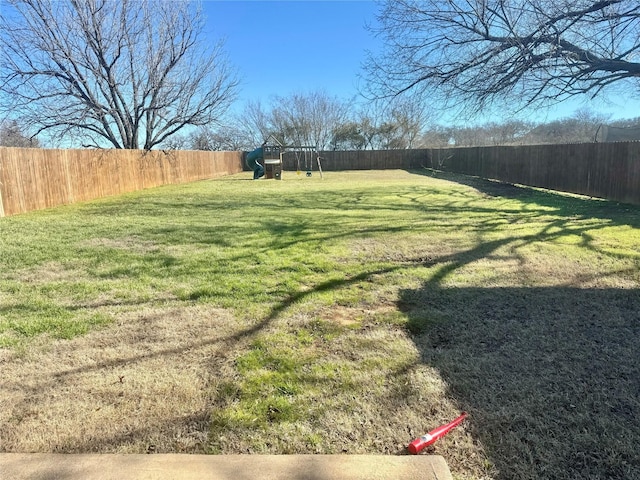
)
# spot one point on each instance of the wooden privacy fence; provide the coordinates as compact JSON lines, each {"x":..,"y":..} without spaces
{"x":359,"y":160}
{"x":32,"y":179}
{"x":603,"y":170}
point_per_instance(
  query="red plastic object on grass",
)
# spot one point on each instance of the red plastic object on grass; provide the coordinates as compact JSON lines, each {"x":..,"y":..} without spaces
{"x":420,"y":443}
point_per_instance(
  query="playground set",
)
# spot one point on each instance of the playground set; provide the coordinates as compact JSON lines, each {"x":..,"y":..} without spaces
{"x":267,"y":160}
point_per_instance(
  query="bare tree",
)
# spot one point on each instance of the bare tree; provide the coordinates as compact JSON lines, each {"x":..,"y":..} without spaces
{"x":626,"y":122}
{"x":509,"y":132}
{"x":409,"y":116}
{"x":348,"y":136}
{"x":436,"y":136}
{"x":229,"y":137}
{"x":126,"y":73}
{"x":11,"y":135}
{"x":580,"y":127}
{"x":256,"y":122}
{"x":473,"y":52}
{"x":369,"y":118}
{"x":308,"y":118}
{"x":296,"y":119}
{"x":587,"y":122}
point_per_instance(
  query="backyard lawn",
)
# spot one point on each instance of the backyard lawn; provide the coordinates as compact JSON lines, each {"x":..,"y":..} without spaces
{"x":348,"y":314}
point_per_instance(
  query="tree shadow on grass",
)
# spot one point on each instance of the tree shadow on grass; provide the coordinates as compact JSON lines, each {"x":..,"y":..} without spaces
{"x":549,"y":375}
{"x":562,"y":203}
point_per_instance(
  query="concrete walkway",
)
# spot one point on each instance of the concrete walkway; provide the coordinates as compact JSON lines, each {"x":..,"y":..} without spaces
{"x":43,"y":466}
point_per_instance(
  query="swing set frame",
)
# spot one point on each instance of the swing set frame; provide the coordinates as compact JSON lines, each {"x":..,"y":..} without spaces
{"x":306,"y":151}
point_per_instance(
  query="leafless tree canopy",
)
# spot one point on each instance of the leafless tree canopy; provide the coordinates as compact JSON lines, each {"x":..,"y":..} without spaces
{"x":316,"y":119}
{"x":528,"y":51}
{"x":11,"y":135}
{"x":125,"y":73}
{"x":307,"y":118}
{"x":296,"y":119}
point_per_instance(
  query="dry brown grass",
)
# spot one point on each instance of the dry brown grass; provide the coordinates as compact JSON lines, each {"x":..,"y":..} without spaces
{"x":45,"y":273}
{"x":150,"y":382}
{"x":140,"y":385}
{"x":358,"y":386}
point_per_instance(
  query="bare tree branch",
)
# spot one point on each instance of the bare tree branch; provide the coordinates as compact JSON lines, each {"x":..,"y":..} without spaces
{"x":474,"y":52}
{"x":128,"y":74}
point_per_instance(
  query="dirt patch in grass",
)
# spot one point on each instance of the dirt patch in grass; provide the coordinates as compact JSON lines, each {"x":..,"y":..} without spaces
{"x":47,"y":272}
{"x":130,"y":243}
{"x":345,"y":316}
{"x":141,"y":385}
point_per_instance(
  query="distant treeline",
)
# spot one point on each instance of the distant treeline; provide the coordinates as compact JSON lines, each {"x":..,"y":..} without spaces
{"x":332,"y":127}
{"x":331,"y":124}
{"x":580,"y":128}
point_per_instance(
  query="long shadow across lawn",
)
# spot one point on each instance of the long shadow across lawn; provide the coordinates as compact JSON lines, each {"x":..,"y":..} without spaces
{"x":567,"y":205}
{"x":550,"y":375}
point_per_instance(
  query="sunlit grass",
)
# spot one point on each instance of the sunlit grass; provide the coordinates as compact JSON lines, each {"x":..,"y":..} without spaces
{"x":350,"y":287}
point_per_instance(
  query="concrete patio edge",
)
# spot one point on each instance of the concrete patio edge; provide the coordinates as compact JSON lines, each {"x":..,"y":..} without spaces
{"x":44,"y":466}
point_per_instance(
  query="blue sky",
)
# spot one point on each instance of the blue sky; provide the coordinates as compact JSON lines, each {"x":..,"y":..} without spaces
{"x":282,"y":47}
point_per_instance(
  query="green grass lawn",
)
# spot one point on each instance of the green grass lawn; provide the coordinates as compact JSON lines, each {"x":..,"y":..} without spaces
{"x":348,"y":314}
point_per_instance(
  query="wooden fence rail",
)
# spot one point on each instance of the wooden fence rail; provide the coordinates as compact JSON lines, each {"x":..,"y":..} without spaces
{"x":32,"y":178}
